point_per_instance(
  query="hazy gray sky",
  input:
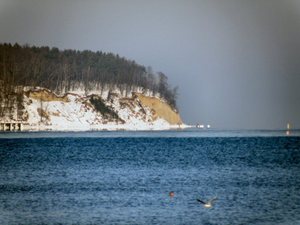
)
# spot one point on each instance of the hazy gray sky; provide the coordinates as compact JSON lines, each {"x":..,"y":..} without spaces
{"x":236,"y":62}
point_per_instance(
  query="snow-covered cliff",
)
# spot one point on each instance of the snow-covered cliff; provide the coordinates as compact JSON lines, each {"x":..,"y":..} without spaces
{"x":44,"y":110}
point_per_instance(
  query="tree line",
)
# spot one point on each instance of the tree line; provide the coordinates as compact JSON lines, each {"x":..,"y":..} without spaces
{"x":61,"y":70}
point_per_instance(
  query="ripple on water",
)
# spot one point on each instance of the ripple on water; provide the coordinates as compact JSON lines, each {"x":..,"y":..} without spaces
{"x":127,"y":180}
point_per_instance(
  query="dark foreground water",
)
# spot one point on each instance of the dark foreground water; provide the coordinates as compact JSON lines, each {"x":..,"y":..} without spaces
{"x":125,"y":179}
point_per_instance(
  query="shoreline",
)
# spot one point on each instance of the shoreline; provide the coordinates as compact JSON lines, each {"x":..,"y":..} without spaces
{"x":102,"y":127}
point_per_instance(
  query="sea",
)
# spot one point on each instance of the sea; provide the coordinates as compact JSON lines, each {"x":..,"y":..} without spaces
{"x":123,"y":177}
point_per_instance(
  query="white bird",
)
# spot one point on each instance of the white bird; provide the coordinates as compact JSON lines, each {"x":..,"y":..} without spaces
{"x":209,"y":203}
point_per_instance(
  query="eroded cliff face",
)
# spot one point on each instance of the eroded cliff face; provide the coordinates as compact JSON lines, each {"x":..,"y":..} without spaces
{"x":160,"y":108}
{"x":44,"y":110}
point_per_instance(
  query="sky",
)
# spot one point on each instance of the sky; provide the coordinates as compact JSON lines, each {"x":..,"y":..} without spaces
{"x":236,"y":62}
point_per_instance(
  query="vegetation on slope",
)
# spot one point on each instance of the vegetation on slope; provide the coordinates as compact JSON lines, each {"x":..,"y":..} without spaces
{"x":105,"y":111}
{"x":61,"y":71}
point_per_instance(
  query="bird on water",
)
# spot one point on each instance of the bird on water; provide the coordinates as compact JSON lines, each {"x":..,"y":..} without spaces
{"x":209,"y":203}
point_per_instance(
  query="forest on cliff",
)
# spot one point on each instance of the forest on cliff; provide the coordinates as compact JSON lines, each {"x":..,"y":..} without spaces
{"x":61,"y":70}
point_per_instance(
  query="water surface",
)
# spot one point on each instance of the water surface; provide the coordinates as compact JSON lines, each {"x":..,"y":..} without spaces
{"x":125,"y":177}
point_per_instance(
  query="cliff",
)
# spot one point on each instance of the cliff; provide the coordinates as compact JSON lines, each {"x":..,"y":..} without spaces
{"x":160,"y":108}
{"x":42,"y":109}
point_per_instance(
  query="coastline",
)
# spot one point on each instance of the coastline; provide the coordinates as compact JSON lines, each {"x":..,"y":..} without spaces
{"x":105,"y":127}
{"x":43,"y":110}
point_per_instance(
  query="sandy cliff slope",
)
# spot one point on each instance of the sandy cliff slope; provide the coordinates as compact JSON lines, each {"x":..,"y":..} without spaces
{"x":44,"y":110}
{"x":160,"y":108}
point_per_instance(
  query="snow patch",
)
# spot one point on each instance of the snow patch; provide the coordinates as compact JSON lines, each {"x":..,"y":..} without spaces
{"x":78,"y":114}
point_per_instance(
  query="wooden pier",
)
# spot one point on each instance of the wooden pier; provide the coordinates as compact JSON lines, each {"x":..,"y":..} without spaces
{"x":10,"y":126}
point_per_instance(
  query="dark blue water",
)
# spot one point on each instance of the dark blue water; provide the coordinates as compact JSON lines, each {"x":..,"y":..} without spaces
{"x":126,"y":180}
